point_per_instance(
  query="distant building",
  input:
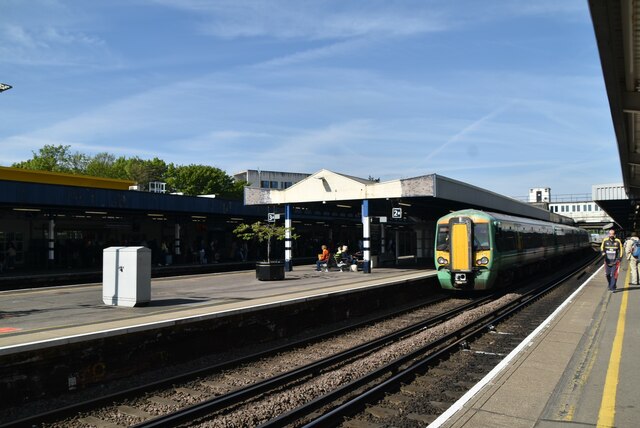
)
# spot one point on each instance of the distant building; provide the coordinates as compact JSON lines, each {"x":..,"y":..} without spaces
{"x":580,"y":211}
{"x":540,"y":194}
{"x":580,"y":207}
{"x":270,"y":179}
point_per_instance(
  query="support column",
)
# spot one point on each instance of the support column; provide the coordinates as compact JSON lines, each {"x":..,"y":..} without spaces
{"x":288,"y":266}
{"x":52,"y":241}
{"x":383,"y":244}
{"x":366,"y":237}
{"x":176,"y":244}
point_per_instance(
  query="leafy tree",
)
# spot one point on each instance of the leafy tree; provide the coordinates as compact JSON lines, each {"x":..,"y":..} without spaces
{"x":107,"y":165}
{"x":189,"y":179}
{"x":202,"y":180}
{"x":55,"y":159}
{"x":145,"y":171}
{"x":263,"y":232}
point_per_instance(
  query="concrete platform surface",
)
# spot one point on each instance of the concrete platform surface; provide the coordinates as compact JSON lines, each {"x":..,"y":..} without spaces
{"x":580,"y":369}
{"x":52,"y":316}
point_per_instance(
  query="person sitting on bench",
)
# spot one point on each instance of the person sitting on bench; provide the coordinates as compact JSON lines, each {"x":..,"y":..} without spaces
{"x":323,"y":258}
{"x":345,"y":257}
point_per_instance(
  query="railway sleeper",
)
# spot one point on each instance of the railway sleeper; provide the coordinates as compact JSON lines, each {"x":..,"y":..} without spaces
{"x":99,"y":423}
{"x":359,"y":423}
{"x":134,"y":412}
{"x":421,"y":418}
{"x":381,"y":412}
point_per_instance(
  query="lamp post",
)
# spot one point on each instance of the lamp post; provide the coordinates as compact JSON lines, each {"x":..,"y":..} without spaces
{"x":4,"y":87}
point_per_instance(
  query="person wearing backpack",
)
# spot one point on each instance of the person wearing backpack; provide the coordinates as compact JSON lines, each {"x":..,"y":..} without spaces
{"x":612,"y":251}
{"x":632,"y":251}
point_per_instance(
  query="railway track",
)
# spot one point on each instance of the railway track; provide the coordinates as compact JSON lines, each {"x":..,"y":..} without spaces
{"x":416,"y":395}
{"x":323,"y":391}
{"x":280,"y":386}
{"x":79,"y":414}
{"x":353,"y":384}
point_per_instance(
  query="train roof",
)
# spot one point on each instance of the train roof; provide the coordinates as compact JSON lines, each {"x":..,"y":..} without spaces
{"x":505,"y":218}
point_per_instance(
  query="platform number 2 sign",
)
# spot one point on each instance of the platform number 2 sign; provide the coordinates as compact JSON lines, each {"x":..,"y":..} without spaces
{"x":396,"y":213}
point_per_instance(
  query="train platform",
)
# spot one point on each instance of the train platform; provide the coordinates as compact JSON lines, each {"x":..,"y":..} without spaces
{"x":45,"y":317}
{"x":579,"y":368}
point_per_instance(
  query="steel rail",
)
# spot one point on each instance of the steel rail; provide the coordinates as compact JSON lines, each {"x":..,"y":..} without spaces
{"x":218,"y":403}
{"x":86,"y":405}
{"x":458,"y":337}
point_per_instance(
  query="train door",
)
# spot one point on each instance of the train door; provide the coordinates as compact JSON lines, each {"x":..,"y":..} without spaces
{"x":461,"y":232}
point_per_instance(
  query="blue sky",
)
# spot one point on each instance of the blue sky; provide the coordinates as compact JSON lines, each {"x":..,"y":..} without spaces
{"x":505,"y":95}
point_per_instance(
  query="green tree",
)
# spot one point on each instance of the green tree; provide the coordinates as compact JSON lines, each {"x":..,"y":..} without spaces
{"x":202,"y":180}
{"x":189,"y":179}
{"x":56,"y":159}
{"x":263,"y":232}
{"x":107,"y":165}
{"x":145,"y":171}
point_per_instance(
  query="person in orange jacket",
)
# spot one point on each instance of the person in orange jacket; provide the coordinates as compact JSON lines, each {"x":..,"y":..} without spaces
{"x":322,"y":258}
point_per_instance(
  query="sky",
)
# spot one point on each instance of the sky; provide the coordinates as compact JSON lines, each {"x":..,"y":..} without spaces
{"x":505,"y":95}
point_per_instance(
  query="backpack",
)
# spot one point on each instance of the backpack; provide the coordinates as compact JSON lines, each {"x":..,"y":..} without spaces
{"x":635,"y":252}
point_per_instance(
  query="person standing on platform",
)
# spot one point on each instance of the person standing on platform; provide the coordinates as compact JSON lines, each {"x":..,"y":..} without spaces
{"x":612,"y":251}
{"x":629,"y":245}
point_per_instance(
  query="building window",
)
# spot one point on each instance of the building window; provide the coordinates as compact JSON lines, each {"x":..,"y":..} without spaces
{"x":273,"y":184}
{"x":286,"y":184}
{"x":264,"y":184}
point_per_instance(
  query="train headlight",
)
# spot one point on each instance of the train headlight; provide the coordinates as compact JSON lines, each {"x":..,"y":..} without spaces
{"x":442,"y":261}
{"x":483,"y":261}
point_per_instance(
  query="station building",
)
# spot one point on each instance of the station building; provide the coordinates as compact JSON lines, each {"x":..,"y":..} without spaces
{"x":582,"y":208}
{"x":63,"y":221}
{"x":269,"y":179}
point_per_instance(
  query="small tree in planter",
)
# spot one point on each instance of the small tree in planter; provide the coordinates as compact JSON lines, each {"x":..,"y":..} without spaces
{"x":265,"y":232}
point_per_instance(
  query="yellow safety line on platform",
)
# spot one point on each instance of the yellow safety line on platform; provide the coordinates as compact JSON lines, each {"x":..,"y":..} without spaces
{"x":606,"y":416}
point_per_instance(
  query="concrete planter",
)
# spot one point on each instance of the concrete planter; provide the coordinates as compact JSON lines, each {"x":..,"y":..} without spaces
{"x":270,"y":271}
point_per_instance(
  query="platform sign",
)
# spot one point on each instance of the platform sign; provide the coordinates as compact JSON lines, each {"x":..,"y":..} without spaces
{"x":396,"y":213}
{"x":272,"y":217}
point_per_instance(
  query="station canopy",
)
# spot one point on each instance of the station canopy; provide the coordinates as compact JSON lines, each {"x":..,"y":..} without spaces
{"x":617,"y":30}
{"x":426,"y":197}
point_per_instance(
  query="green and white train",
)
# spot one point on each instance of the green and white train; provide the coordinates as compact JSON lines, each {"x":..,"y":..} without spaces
{"x":477,"y":250}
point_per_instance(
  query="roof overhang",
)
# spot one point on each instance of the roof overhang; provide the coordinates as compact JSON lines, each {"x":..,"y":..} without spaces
{"x":433,"y":193}
{"x":615,"y":25}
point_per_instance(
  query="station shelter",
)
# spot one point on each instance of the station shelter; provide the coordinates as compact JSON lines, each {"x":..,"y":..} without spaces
{"x":64,"y":221}
{"x":396,"y":219}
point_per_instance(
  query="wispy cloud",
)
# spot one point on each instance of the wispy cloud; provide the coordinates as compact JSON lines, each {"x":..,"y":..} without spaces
{"x":310,"y":20}
{"x":329,"y":51}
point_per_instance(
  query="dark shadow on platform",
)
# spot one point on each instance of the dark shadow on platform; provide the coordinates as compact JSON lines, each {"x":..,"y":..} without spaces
{"x":174,"y":302}
{"x":635,"y":287}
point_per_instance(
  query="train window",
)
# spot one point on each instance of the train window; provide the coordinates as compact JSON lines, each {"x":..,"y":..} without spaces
{"x":506,"y":240}
{"x":442,"y":240}
{"x":481,"y":236}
